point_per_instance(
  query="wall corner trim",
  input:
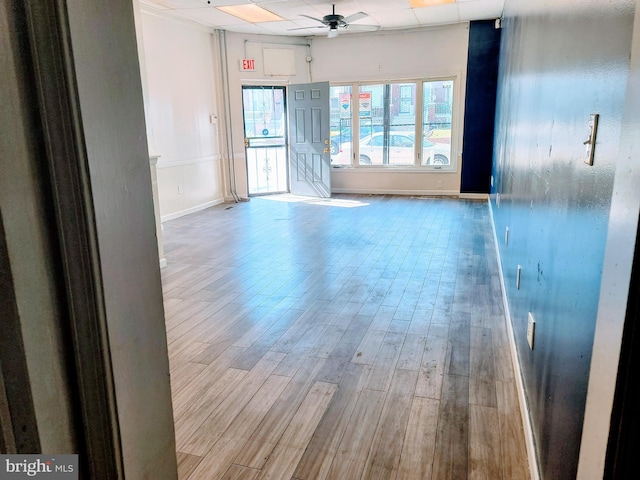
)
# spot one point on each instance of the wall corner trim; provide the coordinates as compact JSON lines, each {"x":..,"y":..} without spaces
{"x":524,"y":407}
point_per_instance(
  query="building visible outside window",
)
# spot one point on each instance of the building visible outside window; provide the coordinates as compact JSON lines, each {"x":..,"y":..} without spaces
{"x":341,"y":144}
{"x":392,"y":129}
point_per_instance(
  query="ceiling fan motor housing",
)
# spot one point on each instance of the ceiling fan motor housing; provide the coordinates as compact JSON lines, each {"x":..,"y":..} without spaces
{"x":332,"y":20}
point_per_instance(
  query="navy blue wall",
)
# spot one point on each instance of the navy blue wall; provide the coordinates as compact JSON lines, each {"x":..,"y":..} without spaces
{"x":480,"y":103}
{"x":559,"y":62}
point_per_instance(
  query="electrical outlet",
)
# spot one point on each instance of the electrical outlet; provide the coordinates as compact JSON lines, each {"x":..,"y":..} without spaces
{"x":518,"y":274}
{"x":531,"y":330}
{"x":439,"y":183}
{"x":180,"y":190}
{"x":506,"y":236}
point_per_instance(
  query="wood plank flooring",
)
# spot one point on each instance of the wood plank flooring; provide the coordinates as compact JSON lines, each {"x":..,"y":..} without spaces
{"x":361,"y":337}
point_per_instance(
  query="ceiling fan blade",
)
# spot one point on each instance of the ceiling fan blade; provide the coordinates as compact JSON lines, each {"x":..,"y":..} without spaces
{"x":312,"y":18}
{"x":362,"y":28}
{"x":355,"y":17}
{"x":305,"y":28}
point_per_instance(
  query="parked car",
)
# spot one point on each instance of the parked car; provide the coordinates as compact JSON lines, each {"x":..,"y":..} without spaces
{"x":338,"y":137}
{"x":401,"y":150}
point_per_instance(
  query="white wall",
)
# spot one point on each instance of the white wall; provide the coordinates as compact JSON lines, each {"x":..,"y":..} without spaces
{"x":383,"y":56}
{"x":183,"y":72}
{"x":241,"y":46}
{"x":380,"y":56}
{"x":179,"y":61}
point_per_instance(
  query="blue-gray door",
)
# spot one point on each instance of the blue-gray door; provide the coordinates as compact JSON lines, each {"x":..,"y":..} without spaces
{"x":309,"y":157}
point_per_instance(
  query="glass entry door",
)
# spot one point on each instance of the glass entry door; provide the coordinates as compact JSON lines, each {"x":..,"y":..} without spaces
{"x":265,"y":139}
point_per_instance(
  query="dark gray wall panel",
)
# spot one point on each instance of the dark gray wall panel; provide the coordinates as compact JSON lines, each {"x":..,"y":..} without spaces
{"x":34,"y":343}
{"x":559,"y":62}
{"x":110,"y":97}
{"x":480,"y":106}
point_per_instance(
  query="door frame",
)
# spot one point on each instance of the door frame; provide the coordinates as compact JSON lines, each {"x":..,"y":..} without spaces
{"x":286,"y":137}
{"x":624,"y":433}
{"x":81,"y":292}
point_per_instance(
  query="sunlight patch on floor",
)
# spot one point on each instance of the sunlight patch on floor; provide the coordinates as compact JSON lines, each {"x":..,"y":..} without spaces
{"x":325,"y":202}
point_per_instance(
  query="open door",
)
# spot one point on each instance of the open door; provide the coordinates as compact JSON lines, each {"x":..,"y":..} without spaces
{"x":309,"y":159}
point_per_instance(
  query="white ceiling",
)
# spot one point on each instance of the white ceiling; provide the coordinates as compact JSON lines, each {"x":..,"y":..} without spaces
{"x":387,"y":14}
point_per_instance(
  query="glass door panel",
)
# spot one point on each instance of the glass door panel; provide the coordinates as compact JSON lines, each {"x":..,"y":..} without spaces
{"x":265,"y":127}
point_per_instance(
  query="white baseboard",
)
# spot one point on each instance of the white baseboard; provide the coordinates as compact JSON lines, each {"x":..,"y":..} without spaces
{"x":367,"y":191}
{"x":197,"y":208}
{"x":474,"y":196}
{"x":524,"y":407}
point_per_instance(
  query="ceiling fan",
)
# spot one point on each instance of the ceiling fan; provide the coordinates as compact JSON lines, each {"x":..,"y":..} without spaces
{"x":338,"y":22}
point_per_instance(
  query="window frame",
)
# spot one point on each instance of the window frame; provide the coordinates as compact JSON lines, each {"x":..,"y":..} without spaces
{"x":417,"y":167}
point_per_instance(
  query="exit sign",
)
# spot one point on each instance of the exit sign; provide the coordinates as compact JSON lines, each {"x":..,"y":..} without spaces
{"x":248,"y":64}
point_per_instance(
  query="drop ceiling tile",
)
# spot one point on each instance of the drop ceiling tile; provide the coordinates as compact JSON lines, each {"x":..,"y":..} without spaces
{"x":373,"y":6}
{"x":249,"y":28}
{"x":188,"y":4}
{"x":154,"y":4}
{"x":480,"y":9}
{"x":281,"y":28}
{"x":286,"y":10}
{"x":181,"y":3}
{"x":395,"y":18}
{"x":344,"y":8}
{"x":210,"y":16}
{"x":438,"y":14}
{"x":393,"y":14}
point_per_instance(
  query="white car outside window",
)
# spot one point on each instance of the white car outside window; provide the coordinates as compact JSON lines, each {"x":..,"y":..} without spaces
{"x":401,"y":150}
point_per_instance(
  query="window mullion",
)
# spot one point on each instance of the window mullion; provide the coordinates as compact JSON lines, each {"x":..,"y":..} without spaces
{"x":386,"y":121}
{"x":355,"y":124}
{"x":419,"y":111}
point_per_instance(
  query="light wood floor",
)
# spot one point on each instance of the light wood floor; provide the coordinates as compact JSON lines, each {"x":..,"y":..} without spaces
{"x":358,"y":338}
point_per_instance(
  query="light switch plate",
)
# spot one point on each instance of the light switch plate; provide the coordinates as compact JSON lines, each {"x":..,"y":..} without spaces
{"x":531,"y":330}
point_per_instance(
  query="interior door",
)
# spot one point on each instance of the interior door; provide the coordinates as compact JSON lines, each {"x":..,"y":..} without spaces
{"x":309,"y":159}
